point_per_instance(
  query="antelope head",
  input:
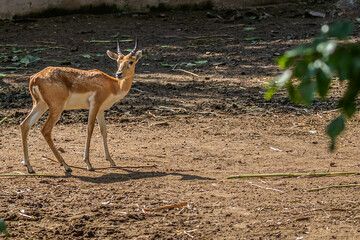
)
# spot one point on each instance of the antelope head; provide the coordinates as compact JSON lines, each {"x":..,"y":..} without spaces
{"x":126,"y":63}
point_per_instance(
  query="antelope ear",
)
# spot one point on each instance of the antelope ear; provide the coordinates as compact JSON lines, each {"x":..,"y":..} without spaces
{"x":112,"y":55}
{"x":138,"y":55}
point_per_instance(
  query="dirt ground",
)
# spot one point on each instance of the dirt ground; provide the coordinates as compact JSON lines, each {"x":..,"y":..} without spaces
{"x":197,"y":131}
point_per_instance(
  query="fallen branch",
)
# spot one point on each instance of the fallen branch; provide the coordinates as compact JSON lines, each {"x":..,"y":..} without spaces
{"x":292,"y":175}
{"x":182,"y":70}
{"x":166,"y":207}
{"x":332,"y":186}
{"x":103,"y":168}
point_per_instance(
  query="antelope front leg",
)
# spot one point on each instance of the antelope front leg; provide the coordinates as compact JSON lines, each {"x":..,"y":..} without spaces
{"x":90,"y":128}
{"x":101,"y":120}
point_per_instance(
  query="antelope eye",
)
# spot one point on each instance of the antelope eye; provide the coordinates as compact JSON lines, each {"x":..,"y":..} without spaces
{"x":131,"y":63}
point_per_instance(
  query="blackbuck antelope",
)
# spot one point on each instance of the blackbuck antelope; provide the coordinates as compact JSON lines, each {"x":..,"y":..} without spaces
{"x":63,"y":88}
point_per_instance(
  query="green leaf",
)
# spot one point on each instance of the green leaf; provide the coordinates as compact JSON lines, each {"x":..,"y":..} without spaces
{"x":293,"y":93}
{"x":347,"y":102}
{"x":277,"y":83}
{"x":165,"y":46}
{"x":201,"y":61}
{"x":28,"y":59}
{"x":284,"y":61}
{"x":3,"y":228}
{"x":269,"y":93}
{"x":334,"y":129}
{"x":348,"y":106}
{"x":16,"y":50}
{"x":327,"y":48}
{"x":340,"y":30}
{"x":3,"y":75}
{"x":88,"y":56}
{"x":251,"y":38}
{"x":167,"y":65}
{"x":303,"y":70}
{"x":282,"y":79}
{"x":307,"y":90}
{"x":38,"y":49}
{"x":341,"y":61}
{"x":249,"y":28}
{"x":290,"y":56}
{"x":190,"y":65}
{"x":296,"y":52}
{"x":323,"y":83}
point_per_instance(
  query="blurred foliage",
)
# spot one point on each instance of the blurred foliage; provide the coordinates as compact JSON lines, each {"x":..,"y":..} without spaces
{"x":309,"y":70}
{"x":3,"y":228}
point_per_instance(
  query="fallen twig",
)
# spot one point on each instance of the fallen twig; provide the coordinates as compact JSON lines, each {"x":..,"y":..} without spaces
{"x":166,"y":207}
{"x":332,"y":186}
{"x":103,"y":168}
{"x":182,"y":70}
{"x":292,"y":175}
{"x":169,"y":109}
{"x":166,"y":123}
{"x":188,"y":234}
{"x":139,"y":90}
{"x":267,"y":188}
{"x":33,"y":218}
{"x":2,"y":120}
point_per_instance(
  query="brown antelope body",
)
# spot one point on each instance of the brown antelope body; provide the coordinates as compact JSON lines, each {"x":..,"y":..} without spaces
{"x":60,"y":88}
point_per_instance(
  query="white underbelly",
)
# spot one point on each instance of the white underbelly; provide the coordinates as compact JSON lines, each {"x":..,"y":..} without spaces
{"x":78,"y":101}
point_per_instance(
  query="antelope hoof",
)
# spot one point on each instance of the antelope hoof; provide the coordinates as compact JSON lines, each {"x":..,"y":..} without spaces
{"x":90,"y":168}
{"x":112,"y":163}
{"x":30,"y":170}
{"x":67,"y":168}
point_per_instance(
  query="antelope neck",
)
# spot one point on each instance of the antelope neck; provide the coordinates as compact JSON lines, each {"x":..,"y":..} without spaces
{"x":125,"y":83}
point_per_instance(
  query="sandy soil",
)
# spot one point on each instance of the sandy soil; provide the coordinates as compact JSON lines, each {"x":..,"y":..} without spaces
{"x":195,"y":131}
